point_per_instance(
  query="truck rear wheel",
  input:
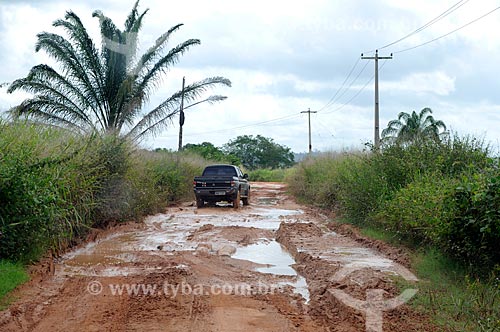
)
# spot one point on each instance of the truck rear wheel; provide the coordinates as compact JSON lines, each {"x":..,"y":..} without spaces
{"x":236,"y":201}
{"x":246,"y":199}
{"x":200,"y":203}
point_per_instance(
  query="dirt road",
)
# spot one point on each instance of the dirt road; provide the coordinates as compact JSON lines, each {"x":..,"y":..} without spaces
{"x":270,"y":266}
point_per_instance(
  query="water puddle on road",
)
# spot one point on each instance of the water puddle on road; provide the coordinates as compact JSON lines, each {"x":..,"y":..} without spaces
{"x":166,"y":234}
{"x":277,"y":260}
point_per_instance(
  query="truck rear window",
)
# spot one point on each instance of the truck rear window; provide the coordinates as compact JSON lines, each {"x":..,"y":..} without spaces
{"x":219,"y":171}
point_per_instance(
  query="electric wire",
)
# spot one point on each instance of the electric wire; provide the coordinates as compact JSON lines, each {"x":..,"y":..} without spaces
{"x":332,"y":100}
{"x":358,"y":92}
{"x":449,"y":33}
{"x":428,"y":24}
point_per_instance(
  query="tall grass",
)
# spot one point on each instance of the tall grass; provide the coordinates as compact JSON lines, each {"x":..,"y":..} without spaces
{"x":447,"y":194}
{"x":436,"y":198}
{"x":268,"y":175}
{"x":54,"y":186}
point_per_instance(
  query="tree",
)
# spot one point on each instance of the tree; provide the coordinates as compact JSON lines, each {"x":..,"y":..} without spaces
{"x":209,"y":151}
{"x":259,"y":152}
{"x":412,"y":128}
{"x":106,"y":90}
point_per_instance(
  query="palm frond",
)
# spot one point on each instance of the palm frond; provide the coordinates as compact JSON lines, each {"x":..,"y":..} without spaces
{"x":154,"y":51}
{"x":129,"y":23}
{"x":153,"y":121}
{"x":49,"y":111}
{"x":161,"y":66}
{"x":85,"y":47}
{"x":62,"y":50}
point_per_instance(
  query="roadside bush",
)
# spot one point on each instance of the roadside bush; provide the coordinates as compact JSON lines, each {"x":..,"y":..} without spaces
{"x":348,"y":182}
{"x":473,"y":234}
{"x":362,"y":188}
{"x":420,"y":211}
{"x":267,"y":175}
{"x":445,"y":195}
{"x":401,"y":165}
{"x":44,"y":197}
{"x":54,"y":186}
{"x":310,"y":180}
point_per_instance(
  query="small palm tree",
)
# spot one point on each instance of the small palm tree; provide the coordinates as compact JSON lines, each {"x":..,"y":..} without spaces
{"x":105,"y":90}
{"x":414,"y":127}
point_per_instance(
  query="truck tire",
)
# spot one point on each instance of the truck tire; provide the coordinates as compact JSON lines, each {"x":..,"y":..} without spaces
{"x":246,"y":199}
{"x":236,"y":201}
{"x":200,"y":203}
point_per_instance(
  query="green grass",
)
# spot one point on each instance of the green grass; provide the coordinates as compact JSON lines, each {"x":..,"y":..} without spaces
{"x":11,"y":275}
{"x":268,"y":175}
{"x":377,"y":234}
{"x":453,"y":300}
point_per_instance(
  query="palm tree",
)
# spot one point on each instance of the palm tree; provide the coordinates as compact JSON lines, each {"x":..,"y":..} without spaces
{"x":411,"y":128}
{"x":105,"y":90}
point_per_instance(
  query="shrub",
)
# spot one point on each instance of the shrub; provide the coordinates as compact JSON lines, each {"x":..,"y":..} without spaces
{"x":55,"y":185}
{"x":419,"y":211}
{"x":473,"y":234}
{"x":444,"y":194}
{"x":44,"y":195}
{"x":267,"y":175}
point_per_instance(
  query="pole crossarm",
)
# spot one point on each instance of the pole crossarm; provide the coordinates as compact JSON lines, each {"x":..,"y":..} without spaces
{"x":309,"y":116}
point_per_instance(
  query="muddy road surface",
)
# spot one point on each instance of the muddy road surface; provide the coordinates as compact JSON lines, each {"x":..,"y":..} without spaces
{"x":271,"y":266}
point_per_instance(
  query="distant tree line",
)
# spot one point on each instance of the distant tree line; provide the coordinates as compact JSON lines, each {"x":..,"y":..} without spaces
{"x":252,"y":152}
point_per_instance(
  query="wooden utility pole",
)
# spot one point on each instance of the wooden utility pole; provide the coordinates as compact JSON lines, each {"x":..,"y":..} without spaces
{"x":181,"y":118}
{"x":376,"y":140}
{"x":309,"y":115}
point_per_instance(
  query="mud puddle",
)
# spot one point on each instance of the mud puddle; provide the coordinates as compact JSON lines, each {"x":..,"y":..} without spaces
{"x":277,"y":261}
{"x":181,"y":230}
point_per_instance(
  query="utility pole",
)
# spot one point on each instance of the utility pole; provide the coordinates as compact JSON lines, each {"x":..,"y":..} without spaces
{"x":309,"y":115}
{"x":376,"y":140}
{"x":181,"y":118}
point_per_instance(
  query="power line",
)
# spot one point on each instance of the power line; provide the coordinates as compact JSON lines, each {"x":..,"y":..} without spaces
{"x":350,"y":85}
{"x":428,"y":24}
{"x":357,"y":93}
{"x":245,"y":126}
{"x":332,"y":100}
{"x":449,"y":33}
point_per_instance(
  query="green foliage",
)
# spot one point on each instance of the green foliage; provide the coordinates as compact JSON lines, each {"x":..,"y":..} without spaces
{"x":267,"y":175}
{"x":413,"y":128}
{"x":104,"y":90}
{"x":259,"y":152}
{"x":420,"y":211}
{"x":456,"y":301}
{"x":54,"y":186}
{"x":210,"y":152}
{"x":442,"y":194}
{"x":11,"y":275}
{"x":45,"y":194}
{"x":348,"y":182}
{"x":473,"y":234}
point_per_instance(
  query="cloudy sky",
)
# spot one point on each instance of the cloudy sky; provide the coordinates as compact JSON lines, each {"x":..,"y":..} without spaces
{"x":284,"y":57}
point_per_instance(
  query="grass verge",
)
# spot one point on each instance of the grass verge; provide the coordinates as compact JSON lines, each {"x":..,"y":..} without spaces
{"x":454,"y":300}
{"x":11,"y":275}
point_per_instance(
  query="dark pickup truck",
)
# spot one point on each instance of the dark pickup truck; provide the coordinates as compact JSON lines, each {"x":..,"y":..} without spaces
{"x":221,"y":183}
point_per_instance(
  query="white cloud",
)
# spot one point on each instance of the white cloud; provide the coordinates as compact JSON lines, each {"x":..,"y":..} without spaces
{"x":437,"y":82}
